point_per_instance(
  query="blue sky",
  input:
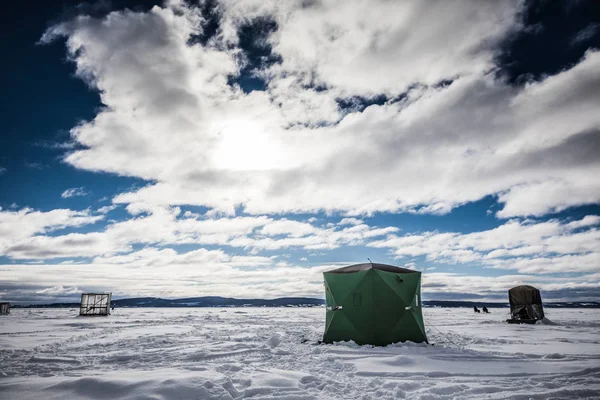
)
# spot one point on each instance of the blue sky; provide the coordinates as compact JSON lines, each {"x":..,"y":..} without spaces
{"x":214,"y":148}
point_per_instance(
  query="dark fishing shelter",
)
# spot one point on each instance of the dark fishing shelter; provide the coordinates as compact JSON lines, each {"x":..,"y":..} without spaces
{"x":525,"y":305}
{"x":94,"y":304}
{"x":4,"y":307}
{"x":375,"y":304}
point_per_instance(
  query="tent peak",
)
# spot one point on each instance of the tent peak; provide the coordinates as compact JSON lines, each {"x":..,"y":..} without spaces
{"x":371,"y":265}
{"x":524,"y":287}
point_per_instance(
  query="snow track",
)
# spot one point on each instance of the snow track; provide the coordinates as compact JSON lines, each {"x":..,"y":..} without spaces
{"x":261,"y":353}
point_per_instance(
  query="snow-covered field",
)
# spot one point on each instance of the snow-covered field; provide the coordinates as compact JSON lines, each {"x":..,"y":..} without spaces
{"x":271,"y":353}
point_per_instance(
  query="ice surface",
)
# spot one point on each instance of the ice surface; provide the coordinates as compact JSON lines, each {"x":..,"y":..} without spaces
{"x":271,"y":353}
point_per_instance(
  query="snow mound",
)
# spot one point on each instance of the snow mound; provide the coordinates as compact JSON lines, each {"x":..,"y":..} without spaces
{"x":546,"y":321}
{"x":274,"y":341}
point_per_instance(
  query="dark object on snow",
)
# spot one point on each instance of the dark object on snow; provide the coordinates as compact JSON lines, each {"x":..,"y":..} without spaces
{"x":485,"y":310}
{"x":4,"y":308}
{"x":373,"y":304}
{"x":476,"y":309}
{"x":95,"y":304}
{"x":525,"y":305}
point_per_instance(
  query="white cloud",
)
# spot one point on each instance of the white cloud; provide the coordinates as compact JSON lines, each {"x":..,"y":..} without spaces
{"x":18,"y":227}
{"x":287,"y":227}
{"x":167,"y":226}
{"x":59,"y":290}
{"x":167,"y":273}
{"x":189,"y":214}
{"x":350,"y":221}
{"x":106,"y":209}
{"x":378,"y":47}
{"x":69,"y":245}
{"x":410,"y":265}
{"x":588,"y":220}
{"x":574,"y":263}
{"x":73,"y":192}
{"x":528,"y":247}
{"x":171,"y":117}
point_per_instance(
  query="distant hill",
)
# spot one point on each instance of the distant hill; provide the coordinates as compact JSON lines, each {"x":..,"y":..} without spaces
{"x":216,"y":301}
{"x":479,"y":304}
{"x":208,"y":301}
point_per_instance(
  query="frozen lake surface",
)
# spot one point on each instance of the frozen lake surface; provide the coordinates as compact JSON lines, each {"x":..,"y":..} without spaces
{"x":270,"y":353}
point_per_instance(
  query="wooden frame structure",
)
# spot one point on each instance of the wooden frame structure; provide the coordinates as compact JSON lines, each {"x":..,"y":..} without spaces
{"x":4,"y":307}
{"x":95,"y":304}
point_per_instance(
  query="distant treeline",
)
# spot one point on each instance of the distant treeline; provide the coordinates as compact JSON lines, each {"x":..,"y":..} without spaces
{"x":215,"y":301}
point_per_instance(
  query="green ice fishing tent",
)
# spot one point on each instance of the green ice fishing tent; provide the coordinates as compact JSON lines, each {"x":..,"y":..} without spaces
{"x":374,"y":304}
